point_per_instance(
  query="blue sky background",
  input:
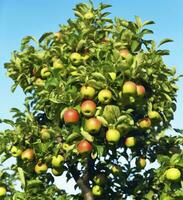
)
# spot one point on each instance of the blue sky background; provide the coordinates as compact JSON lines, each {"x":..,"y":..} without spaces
{"x":19,"y":18}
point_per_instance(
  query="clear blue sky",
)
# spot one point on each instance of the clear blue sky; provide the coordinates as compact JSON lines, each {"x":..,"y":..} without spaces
{"x":19,"y":18}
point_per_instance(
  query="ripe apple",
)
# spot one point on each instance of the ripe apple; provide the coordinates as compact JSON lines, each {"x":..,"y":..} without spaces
{"x":141,"y":162}
{"x":71,"y":116}
{"x":140,"y":90}
{"x":124,"y":53}
{"x":57,"y":161}
{"x":113,"y":136}
{"x":57,"y":64}
{"x":57,"y":171}
{"x":40,"y":168}
{"x":75,"y":58}
{"x":130,"y":141}
{"x":39,"y":82}
{"x":99,"y":179}
{"x":84,"y":146}
{"x":28,"y":155}
{"x":45,"y":134}
{"x":45,"y":73}
{"x":2,"y":191}
{"x":145,"y":123}
{"x":154,"y":115}
{"x":88,"y":108}
{"x":97,"y":190}
{"x":105,"y":96}
{"x":173,"y":174}
{"x":87,"y":92}
{"x":129,"y":88}
{"x":58,"y":35}
{"x":16,"y":151}
{"x":93,"y":125}
{"x":89,"y":15}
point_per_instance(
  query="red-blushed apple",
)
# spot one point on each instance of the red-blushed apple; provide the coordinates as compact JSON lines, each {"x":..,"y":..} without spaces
{"x":2,"y":191}
{"x":141,"y":162}
{"x":84,"y":146}
{"x":124,"y":53}
{"x":140,"y":90}
{"x":57,"y":161}
{"x":71,"y":116}
{"x":93,"y":125}
{"x":88,"y":108}
{"x":105,"y":96}
{"x":28,"y":155}
{"x":145,"y":123}
{"x":97,"y":190}
{"x":87,"y":92}
{"x":75,"y":58}
{"x":40,"y":168}
{"x":113,"y":136}
{"x":154,"y":115}
{"x":173,"y":174}
{"x":57,"y":171}
{"x":129,"y":88}
{"x":130,"y":141}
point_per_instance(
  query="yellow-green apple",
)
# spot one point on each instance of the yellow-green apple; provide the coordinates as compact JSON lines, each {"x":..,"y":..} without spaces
{"x":75,"y":58}
{"x":113,"y":136}
{"x":89,"y":15}
{"x":2,"y":191}
{"x":65,"y":147}
{"x":71,"y":116}
{"x":100,"y":179}
{"x":93,"y":125}
{"x":141,"y":162}
{"x":57,"y":64}
{"x":154,"y":115}
{"x":57,"y":161}
{"x":39,"y":82}
{"x":130,"y":141}
{"x":145,"y":123}
{"x":173,"y":174}
{"x":45,"y":72}
{"x":87,"y":92}
{"x":84,"y":146}
{"x":140,"y":90}
{"x":88,"y":108}
{"x":129,"y":88}
{"x":97,"y":190}
{"x":16,"y":151}
{"x":105,"y":96}
{"x":57,"y":171}
{"x":45,"y":134}
{"x":28,"y":155}
{"x":58,"y":35}
{"x":40,"y":168}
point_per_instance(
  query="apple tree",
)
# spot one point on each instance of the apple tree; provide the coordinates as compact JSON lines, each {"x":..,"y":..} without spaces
{"x":99,"y":101}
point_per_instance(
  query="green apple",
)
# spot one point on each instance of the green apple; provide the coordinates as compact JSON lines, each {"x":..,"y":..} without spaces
{"x":57,"y":171}
{"x":140,"y":90}
{"x":105,"y":96}
{"x":45,"y":134}
{"x":89,"y":15}
{"x":57,"y":64}
{"x":40,"y":168}
{"x":130,"y":141}
{"x":173,"y":174}
{"x":84,"y":147}
{"x":71,"y":116}
{"x":100,"y":179}
{"x":88,"y":108}
{"x":93,"y":125}
{"x":58,"y":36}
{"x":2,"y":191}
{"x":45,"y":73}
{"x":39,"y":82}
{"x":154,"y":115}
{"x":57,"y":161}
{"x":87,"y":92}
{"x":141,"y":162}
{"x":112,"y":75}
{"x":113,"y":136}
{"x":129,"y":88}
{"x":75,"y":58}
{"x":145,"y":123}
{"x":28,"y":155}
{"x":16,"y":151}
{"x":97,"y":190}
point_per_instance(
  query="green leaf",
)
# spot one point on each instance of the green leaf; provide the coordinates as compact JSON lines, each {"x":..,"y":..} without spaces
{"x":21,"y":176}
{"x":148,"y":22}
{"x":104,"y":6}
{"x":138,"y":21}
{"x":111,"y":113}
{"x":165,"y":41}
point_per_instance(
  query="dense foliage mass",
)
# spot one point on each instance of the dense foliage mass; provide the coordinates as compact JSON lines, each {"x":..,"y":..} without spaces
{"x":99,"y":99}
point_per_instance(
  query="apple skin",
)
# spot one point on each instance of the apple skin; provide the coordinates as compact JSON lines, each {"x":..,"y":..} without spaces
{"x":100,"y":179}
{"x":28,"y":155}
{"x":71,"y":116}
{"x":39,"y":82}
{"x":57,"y":171}
{"x":173,"y":174}
{"x":113,"y":136}
{"x":97,"y":190}
{"x":140,"y":90}
{"x":16,"y":151}
{"x":58,"y":36}
{"x":141,"y":163}
{"x":89,"y":15}
{"x":45,"y":73}
{"x":124,"y":53}
{"x":57,"y":64}
{"x":84,"y":146}
{"x":87,"y":92}
{"x":129,"y":88}
{"x":75,"y":58}
{"x":154,"y":115}
{"x":105,"y":96}
{"x":88,"y":108}
{"x":2,"y":191}
{"x":40,"y":168}
{"x":130,"y":141}
{"x":93,"y":125}
{"x":57,"y":161}
{"x":45,"y":135}
{"x":145,"y":123}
